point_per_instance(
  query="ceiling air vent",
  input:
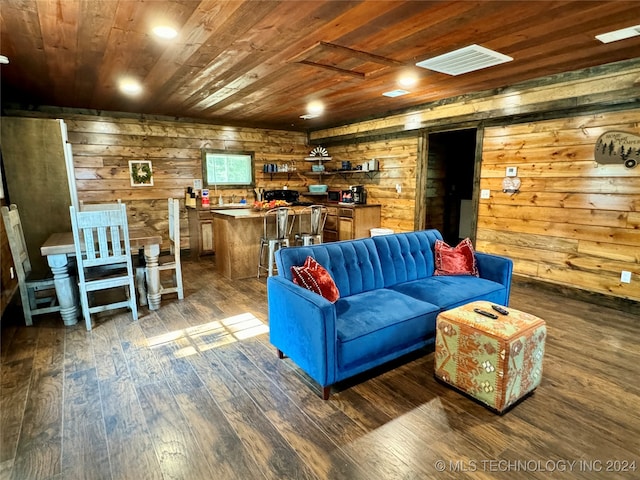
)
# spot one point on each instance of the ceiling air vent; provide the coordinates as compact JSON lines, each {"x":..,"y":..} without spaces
{"x":464,"y":60}
{"x":621,"y":34}
{"x":395,"y":93}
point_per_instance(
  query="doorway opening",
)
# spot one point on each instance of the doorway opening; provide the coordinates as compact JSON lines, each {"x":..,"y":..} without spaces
{"x":450,"y":174}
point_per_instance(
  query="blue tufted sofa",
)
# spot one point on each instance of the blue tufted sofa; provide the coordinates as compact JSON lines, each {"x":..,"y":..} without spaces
{"x":389,"y":301}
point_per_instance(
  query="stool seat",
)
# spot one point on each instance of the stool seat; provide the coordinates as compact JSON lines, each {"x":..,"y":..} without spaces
{"x":495,"y":361}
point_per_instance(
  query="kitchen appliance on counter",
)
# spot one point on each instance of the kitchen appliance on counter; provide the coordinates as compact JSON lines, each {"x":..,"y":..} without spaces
{"x":289,"y":196}
{"x":346,"y":197}
{"x":334,"y":196}
{"x":358,"y":194}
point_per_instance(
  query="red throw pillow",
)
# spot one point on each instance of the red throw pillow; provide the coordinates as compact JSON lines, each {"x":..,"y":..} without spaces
{"x":315,"y":277}
{"x":460,"y":260}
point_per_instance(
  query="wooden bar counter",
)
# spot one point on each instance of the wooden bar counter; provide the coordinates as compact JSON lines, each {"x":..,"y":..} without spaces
{"x":237,"y":234}
{"x":237,"y":241}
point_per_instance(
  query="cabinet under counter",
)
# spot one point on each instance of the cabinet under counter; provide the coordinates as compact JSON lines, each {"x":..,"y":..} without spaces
{"x":348,"y":222}
{"x":201,"y":229}
{"x":237,"y":242}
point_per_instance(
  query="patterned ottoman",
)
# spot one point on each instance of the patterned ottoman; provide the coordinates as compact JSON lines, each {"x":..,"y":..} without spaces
{"x":495,"y":361}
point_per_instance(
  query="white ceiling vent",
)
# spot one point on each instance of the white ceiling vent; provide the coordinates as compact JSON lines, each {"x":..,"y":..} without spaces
{"x":395,"y":93}
{"x":621,"y":34}
{"x":464,"y":60}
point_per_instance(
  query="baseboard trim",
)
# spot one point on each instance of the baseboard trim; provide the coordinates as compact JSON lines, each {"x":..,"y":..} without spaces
{"x":617,"y":303}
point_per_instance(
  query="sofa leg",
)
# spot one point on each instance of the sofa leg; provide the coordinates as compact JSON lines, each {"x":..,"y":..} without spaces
{"x":280,"y":354}
{"x":326,"y":391}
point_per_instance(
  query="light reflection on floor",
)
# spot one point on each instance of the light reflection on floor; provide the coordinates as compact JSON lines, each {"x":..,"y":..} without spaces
{"x":210,"y":335}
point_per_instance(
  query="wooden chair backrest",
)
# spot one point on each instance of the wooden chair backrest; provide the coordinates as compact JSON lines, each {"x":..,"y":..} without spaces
{"x":17,"y":243}
{"x":101,"y":237}
{"x":88,"y":207}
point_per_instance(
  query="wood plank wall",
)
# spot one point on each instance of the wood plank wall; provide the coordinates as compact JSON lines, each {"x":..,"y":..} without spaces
{"x":102,"y":147}
{"x":574,"y":222}
{"x":397,"y":160}
{"x":606,"y":86}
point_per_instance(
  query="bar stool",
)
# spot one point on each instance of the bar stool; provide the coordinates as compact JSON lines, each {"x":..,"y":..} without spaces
{"x":277,"y":227}
{"x":311,"y":222}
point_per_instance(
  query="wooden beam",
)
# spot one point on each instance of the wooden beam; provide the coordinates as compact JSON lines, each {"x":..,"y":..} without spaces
{"x":370,"y":57}
{"x":334,"y":69}
{"x":475,"y":194}
{"x":420,"y":211}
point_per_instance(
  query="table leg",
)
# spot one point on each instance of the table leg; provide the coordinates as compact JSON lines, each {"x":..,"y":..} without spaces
{"x":65,"y":288}
{"x":151,"y":254}
{"x":142,"y":288}
{"x":141,"y":278}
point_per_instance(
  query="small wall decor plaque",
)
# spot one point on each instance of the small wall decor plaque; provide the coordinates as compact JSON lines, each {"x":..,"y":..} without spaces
{"x":141,"y":173}
{"x":618,"y":147}
{"x":319,"y":151}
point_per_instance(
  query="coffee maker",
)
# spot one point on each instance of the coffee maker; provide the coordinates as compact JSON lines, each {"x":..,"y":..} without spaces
{"x":358,"y":194}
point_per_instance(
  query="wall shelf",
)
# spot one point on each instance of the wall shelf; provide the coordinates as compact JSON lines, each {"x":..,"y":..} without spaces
{"x":319,"y":160}
{"x":349,"y":173}
{"x":314,"y":194}
{"x":319,"y":174}
{"x":279,"y":174}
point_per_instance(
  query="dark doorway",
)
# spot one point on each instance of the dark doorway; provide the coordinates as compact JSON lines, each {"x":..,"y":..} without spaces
{"x":450,"y":183}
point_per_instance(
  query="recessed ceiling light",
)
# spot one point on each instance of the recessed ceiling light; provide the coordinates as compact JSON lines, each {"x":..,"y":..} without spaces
{"x":315,"y":108}
{"x":130,"y":86}
{"x":407,"y":80}
{"x":3,"y":60}
{"x":621,"y":34}
{"x":164,"y":31}
{"x":395,"y":93}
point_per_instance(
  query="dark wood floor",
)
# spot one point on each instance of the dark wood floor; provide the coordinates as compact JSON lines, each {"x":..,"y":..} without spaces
{"x":195,"y":391}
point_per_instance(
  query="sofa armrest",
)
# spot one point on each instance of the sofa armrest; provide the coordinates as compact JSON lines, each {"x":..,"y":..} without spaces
{"x":495,"y":268}
{"x":302,"y":325}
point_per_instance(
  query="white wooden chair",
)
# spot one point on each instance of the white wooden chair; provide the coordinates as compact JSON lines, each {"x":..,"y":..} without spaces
{"x":101,"y":239}
{"x":167,"y":262}
{"x":37,"y":293}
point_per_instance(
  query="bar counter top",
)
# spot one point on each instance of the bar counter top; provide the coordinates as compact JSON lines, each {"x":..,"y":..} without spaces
{"x":253,"y":213}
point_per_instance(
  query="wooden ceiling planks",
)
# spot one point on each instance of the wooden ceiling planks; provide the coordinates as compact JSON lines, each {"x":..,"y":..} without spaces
{"x":235,"y":62}
{"x":260,"y":70}
{"x":94,"y":25}
{"x":26,"y":46}
{"x":230,"y":49}
{"x":58,"y":24}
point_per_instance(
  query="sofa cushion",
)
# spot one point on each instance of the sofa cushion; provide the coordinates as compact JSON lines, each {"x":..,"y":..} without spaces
{"x":451,"y":291}
{"x":458,"y":260}
{"x":315,"y":277}
{"x":373,"y":324}
{"x":406,"y":256}
{"x":353,"y":265}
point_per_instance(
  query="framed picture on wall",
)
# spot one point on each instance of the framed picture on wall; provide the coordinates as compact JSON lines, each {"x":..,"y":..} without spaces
{"x":141,"y":173}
